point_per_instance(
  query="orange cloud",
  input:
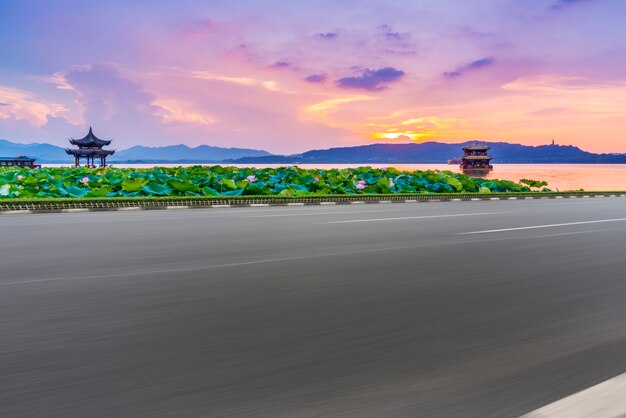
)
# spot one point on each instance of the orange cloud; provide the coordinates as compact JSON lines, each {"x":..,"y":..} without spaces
{"x":27,"y":106}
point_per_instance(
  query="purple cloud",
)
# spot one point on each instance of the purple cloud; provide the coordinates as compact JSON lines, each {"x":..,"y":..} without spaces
{"x":485,"y":62}
{"x":4,"y":104}
{"x":372,"y":80}
{"x":452,"y":74}
{"x":391,"y":35}
{"x":564,"y":3}
{"x":280,"y":64}
{"x":474,"y":65}
{"x":316,"y":78}
{"x":328,"y":35}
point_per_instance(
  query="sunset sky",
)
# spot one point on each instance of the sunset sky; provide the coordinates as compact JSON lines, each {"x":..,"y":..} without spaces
{"x":288,"y":76}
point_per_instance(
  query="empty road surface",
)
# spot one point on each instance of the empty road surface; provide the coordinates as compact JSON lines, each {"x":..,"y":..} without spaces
{"x":458,"y":309}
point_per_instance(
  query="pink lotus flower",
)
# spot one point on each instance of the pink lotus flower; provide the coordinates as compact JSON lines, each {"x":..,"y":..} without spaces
{"x":316,"y":179}
{"x":19,"y":178}
{"x":384,"y":168}
{"x":84,"y":180}
{"x":360,"y":186}
{"x":219,"y":182}
{"x":36,"y":187}
{"x":251,"y":178}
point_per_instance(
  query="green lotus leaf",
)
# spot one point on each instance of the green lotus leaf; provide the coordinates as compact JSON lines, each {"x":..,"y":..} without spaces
{"x":8,"y":177}
{"x":533,"y":183}
{"x":257,"y":189}
{"x":484,"y":189}
{"x":229,"y":183}
{"x":133,"y":185}
{"x":207,"y":191}
{"x":455,"y":183}
{"x":232,"y":181}
{"x":233,"y":193}
{"x":5,"y":190}
{"x":156,"y":189}
{"x":183,"y":186}
{"x":74,"y":191}
{"x":383,"y":186}
{"x":102,"y":192}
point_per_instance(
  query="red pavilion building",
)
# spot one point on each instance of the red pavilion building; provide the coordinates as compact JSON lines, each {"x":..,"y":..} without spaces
{"x":476,"y":158}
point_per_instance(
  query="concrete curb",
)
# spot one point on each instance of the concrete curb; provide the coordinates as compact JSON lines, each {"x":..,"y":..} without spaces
{"x":8,"y":208}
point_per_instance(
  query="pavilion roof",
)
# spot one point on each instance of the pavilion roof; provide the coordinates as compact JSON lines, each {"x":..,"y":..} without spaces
{"x":18,"y":158}
{"x":476,"y":147}
{"x":90,"y":140}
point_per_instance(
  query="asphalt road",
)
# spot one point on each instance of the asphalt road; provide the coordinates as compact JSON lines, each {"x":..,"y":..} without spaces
{"x":468,"y":309}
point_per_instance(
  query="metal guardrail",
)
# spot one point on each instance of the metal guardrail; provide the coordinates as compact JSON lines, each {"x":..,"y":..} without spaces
{"x":54,"y":205}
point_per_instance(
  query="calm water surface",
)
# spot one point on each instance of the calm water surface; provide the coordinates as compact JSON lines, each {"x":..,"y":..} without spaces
{"x":605,"y":177}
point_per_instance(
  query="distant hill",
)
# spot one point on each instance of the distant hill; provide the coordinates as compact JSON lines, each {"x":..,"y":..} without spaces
{"x":43,"y":152}
{"x":183,"y":153}
{"x":428,"y":152}
{"x":46,"y":153}
{"x":435,"y":152}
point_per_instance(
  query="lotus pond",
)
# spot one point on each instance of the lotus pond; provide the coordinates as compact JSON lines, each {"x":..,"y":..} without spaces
{"x":63,"y":182}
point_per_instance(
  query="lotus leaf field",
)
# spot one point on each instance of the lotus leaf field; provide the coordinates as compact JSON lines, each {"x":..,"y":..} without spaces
{"x":70,"y":182}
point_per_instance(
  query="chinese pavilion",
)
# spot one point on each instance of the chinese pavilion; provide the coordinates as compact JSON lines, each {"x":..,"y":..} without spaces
{"x":476,"y":158}
{"x":90,"y":147}
{"x":19,"y":161}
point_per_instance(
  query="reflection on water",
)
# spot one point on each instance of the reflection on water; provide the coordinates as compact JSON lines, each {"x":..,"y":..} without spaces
{"x":599,"y":177}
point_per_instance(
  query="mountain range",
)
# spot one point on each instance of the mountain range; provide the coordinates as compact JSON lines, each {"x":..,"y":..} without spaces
{"x":435,"y":152}
{"x":428,"y":152}
{"x":47,"y":153}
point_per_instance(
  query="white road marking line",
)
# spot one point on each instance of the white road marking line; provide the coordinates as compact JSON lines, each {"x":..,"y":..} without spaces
{"x":280,"y":215}
{"x":328,"y":203}
{"x":130,"y":208}
{"x":490,"y":231}
{"x":412,"y":217}
{"x":74,"y":210}
{"x":603,"y":400}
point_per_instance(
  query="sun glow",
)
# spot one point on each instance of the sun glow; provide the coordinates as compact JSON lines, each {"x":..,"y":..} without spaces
{"x":402,"y":135}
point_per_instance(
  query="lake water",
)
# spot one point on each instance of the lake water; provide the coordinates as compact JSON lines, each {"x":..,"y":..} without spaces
{"x":562,"y":177}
